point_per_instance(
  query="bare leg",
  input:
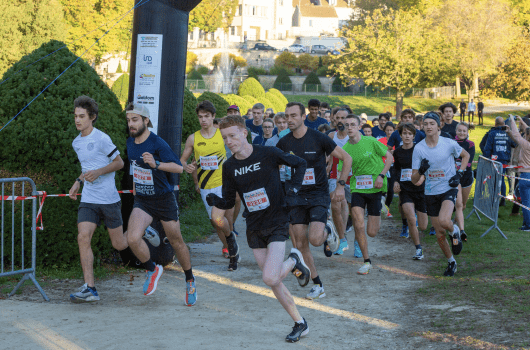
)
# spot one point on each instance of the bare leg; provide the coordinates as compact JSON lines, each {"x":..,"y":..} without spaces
{"x":374,"y":222}
{"x":84,"y":237}
{"x":423,"y":220}
{"x":138,"y":222}
{"x":339,"y":212}
{"x":442,"y":223}
{"x":221,"y":224}
{"x":172,"y":229}
{"x":408,"y":210}
{"x":117,"y":238}
{"x":459,"y":212}
{"x":357,"y":214}
{"x":465,"y":196}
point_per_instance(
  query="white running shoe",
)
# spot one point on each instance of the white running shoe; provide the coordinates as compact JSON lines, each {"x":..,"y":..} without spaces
{"x":333,"y":237}
{"x":365,"y":268}
{"x":316,"y":292}
{"x":418,"y":255}
{"x":152,"y":236}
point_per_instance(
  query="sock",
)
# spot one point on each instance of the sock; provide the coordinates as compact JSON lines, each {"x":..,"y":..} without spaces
{"x":316,"y":280}
{"x":150,"y":265}
{"x":367,"y":261}
{"x":451,"y":259}
{"x":418,"y":246}
{"x":343,"y":240}
{"x":127,"y":256}
{"x":301,"y":321}
{"x":93,"y":288}
{"x":405,"y":223}
{"x":189,"y":275}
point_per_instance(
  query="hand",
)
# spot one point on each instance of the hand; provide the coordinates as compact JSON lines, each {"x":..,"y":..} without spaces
{"x":379,"y":182}
{"x":198,"y":188}
{"x":73,"y":191}
{"x":148,"y":159}
{"x":420,"y":181}
{"x":424,"y":166}
{"x":455,"y":180}
{"x":92,"y":175}
{"x":338,"y":194}
{"x":190,"y":168}
{"x":292,"y":199}
{"x":212,"y":199}
{"x":397,"y":187}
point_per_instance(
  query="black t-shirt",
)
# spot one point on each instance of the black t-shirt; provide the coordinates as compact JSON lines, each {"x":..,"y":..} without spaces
{"x":403,"y":170}
{"x":257,"y":180}
{"x":314,"y":147}
{"x":451,"y":129}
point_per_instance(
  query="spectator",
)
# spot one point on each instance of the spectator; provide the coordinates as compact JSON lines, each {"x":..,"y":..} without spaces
{"x":313,"y":121}
{"x":480,"y":114}
{"x":378,"y":131}
{"x":249,"y":114}
{"x":324,"y":106}
{"x":448,"y":111}
{"x":268,"y":113}
{"x":471,"y":111}
{"x":233,"y":110}
{"x":462,"y":110}
{"x":268,"y":127}
{"x":367,"y":130}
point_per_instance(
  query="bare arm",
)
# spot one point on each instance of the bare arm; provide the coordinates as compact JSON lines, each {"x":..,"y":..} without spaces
{"x":115,"y":165}
{"x":186,"y":154}
{"x":338,"y":194}
{"x":465,"y":160}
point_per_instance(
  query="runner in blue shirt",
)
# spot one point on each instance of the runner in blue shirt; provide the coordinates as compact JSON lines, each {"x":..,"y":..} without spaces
{"x":377,"y":131}
{"x":313,"y":121}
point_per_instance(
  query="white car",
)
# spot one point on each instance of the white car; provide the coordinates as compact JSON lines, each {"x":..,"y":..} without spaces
{"x":294,"y":48}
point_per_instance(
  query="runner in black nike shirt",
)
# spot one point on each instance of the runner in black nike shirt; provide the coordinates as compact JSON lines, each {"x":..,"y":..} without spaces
{"x":314,"y":147}
{"x":253,"y":172}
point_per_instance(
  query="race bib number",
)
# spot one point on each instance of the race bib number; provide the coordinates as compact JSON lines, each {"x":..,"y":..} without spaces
{"x":309,"y":177}
{"x":364,"y":182}
{"x":209,"y":163}
{"x":436,"y":175}
{"x":406,"y":174}
{"x":256,"y":200}
{"x":142,"y":176}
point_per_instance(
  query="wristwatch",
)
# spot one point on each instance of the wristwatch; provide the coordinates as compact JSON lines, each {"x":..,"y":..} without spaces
{"x":341,"y":182}
{"x":157,"y":164}
{"x":383,"y":176}
{"x":79,"y":180}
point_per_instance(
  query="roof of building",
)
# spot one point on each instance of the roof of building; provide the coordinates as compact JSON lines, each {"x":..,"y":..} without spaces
{"x":340,"y":3}
{"x":318,"y":11}
{"x":301,"y":3}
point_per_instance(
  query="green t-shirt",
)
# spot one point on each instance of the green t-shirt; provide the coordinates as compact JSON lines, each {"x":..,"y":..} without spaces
{"x":367,"y":164}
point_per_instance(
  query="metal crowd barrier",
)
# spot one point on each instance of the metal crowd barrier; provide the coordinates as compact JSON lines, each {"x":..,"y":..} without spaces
{"x":487,"y":187}
{"x":18,"y":263}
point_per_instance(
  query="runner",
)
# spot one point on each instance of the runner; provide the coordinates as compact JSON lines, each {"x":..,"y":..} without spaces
{"x":281,"y":125}
{"x":234,"y":110}
{"x":367,"y":183}
{"x":411,"y":196}
{"x":313,"y":120}
{"x":268,"y":127}
{"x":448,"y":111}
{"x":434,"y":160}
{"x":255,"y":124}
{"x":152,"y":162}
{"x":312,"y":146}
{"x":389,"y":129}
{"x":378,"y":130}
{"x":253,"y":172}
{"x":99,"y":159}
{"x":366,"y":129}
{"x":462,"y":138}
{"x":209,"y":152}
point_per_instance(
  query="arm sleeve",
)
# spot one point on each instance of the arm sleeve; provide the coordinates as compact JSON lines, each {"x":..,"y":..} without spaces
{"x":108,"y":148}
{"x":166,"y":154}
{"x":229,"y":191}
{"x":482,"y":143}
{"x":295,"y":162}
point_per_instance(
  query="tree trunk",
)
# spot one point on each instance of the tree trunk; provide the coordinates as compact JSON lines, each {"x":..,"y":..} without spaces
{"x":469,"y":93}
{"x":475,"y":86}
{"x":399,"y":104}
{"x":458,"y":92}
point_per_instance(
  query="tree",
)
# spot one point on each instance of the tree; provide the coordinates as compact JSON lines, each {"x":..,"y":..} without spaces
{"x":308,"y":62}
{"x":191,"y":61}
{"x":121,"y":88}
{"x":26,"y":25}
{"x":286,"y":60}
{"x":283,"y":82}
{"x":235,"y":61}
{"x":212,"y":14}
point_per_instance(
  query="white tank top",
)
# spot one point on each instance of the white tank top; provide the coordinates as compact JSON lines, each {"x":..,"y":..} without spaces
{"x":340,"y":142}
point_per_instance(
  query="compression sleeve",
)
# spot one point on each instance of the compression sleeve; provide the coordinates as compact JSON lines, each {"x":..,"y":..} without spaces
{"x":229,"y":191}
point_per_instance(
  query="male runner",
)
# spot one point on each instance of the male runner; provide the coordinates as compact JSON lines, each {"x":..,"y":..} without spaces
{"x":434,"y":159}
{"x":152,"y":162}
{"x":448,"y":112}
{"x":99,"y":159}
{"x":255,"y":124}
{"x":312,"y":146}
{"x":313,"y":121}
{"x":378,"y":130}
{"x":253,"y":172}
{"x":233,"y":110}
{"x":367,"y":183}
{"x":411,"y":197}
{"x":209,"y":152}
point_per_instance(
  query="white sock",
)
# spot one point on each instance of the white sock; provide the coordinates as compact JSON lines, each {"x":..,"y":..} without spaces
{"x":301,"y":321}
{"x":451,"y":259}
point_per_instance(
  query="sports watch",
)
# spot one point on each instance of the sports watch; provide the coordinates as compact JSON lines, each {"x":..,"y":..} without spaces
{"x":341,"y":182}
{"x":157,"y":164}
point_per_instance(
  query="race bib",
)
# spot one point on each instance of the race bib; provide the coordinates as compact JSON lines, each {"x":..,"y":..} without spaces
{"x":406,"y":174}
{"x":142,"y":176}
{"x":309,"y":177}
{"x":256,"y":200}
{"x":436,"y":175}
{"x":209,"y":163}
{"x":458,"y":165}
{"x":364,"y":182}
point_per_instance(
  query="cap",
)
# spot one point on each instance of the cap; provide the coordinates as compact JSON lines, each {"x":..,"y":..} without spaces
{"x":233,"y":107}
{"x":433,"y":116}
{"x":141,"y":110}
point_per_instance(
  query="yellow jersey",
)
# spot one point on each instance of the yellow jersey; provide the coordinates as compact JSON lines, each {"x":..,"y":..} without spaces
{"x":210,"y":155}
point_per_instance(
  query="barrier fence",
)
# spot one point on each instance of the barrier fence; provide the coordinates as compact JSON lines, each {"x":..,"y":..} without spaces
{"x":487,"y":189}
{"x":16,"y":255}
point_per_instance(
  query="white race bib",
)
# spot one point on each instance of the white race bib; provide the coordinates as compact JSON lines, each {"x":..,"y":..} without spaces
{"x":309,"y":177}
{"x":406,"y":174}
{"x":142,"y":176}
{"x":256,"y":200}
{"x":364,"y":182}
{"x":209,"y":163}
{"x":436,"y":175}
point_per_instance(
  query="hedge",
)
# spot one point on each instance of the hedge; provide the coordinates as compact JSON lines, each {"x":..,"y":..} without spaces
{"x":251,"y":87}
{"x":121,"y":88}
{"x":194,"y":75}
{"x":277,"y":103}
{"x":189,"y":119}
{"x":279,"y":94}
{"x":219,"y":102}
{"x":239,"y":101}
{"x":283,"y":80}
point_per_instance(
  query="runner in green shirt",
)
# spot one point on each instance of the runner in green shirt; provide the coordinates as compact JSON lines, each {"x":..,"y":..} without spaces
{"x":367,"y":183}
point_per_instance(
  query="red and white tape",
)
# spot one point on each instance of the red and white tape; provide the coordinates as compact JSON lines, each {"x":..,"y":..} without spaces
{"x":514,"y":201}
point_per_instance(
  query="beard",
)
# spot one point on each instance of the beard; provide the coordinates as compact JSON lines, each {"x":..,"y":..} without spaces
{"x":139,"y":132}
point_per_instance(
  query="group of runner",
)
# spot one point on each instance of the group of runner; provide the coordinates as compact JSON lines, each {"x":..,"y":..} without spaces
{"x":297,"y":183}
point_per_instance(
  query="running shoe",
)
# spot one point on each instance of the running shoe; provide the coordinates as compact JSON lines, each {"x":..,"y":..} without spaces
{"x":525,"y":228}
{"x":316,"y":292}
{"x":451,"y":269}
{"x":388,"y":215}
{"x":404,"y":232}
{"x":191,"y":293}
{"x":357,"y":250}
{"x":327,"y":250}
{"x":432,"y":231}
{"x":418,"y":255}
{"x":232,"y":265}
{"x":225,"y":253}
{"x":384,"y":208}
{"x":299,"y":330}
{"x":233,"y":248}
{"x":463,"y":235}
{"x":152,"y":236}
{"x":365,"y":269}
{"x":300,"y":269}
{"x":235,"y":232}
{"x":85,"y":294}
{"x":342,"y":247}
{"x":349,"y":224}
{"x":456,"y":241}
{"x":333,"y":237}
{"x":151,"y":280}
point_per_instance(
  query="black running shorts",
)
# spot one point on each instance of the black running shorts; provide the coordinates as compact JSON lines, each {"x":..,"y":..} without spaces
{"x":95,"y":213}
{"x":434,"y":202}
{"x":370,"y":201}
{"x":467,"y":179}
{"x":165,"y":207}
{"x":259,"y":239}
{"x":305,"y":214}
{"x":417,"y":198}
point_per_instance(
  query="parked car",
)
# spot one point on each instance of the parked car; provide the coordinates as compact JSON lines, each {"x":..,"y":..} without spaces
{"x":264,"y":47}
{"x":321,"y":49}
{"x":294,"y":48}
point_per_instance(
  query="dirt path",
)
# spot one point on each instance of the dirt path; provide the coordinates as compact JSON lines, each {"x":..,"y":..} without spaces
{"x":235,"y":310}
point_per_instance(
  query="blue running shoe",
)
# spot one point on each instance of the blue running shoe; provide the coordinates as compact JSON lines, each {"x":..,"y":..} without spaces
{"x":357,"y":250}
{"x":416,"y":219}
{"x":84,"y":295}
{"x":191,"y":293}
{"x":404,"y":232}
{"x":235,"y":232}
{"x":151,"y":280}
{"x":342,"y":247}
{"x":432,"y":232}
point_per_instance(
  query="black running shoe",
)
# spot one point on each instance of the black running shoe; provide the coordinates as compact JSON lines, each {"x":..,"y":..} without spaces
{"x":299,"y":330}
{"x":451,"y":269}
{"x":456,"y":241}
{"x":327,"y":250}
{"x":233,"y":248}
{"x":232,"y":266}
{"x":463,"y":235}
{"x":300,"y":269}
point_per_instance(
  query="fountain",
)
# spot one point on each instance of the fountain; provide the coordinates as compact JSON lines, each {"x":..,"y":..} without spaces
{"x":224,"y":75}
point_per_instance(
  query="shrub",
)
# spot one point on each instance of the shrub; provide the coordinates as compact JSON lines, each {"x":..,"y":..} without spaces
{"x":338,"y":84}
{"x":219,"y":102}
{"x":252,"y":100}
{"x":278,"y":93}
{"x":194,"y":75}
{"x":277,"y":103}
{"x":308,"y":62}
{"x":239,"y":101}
{"x":251,"y":87}
{"x":322,"y":71}
{"x":254,"y":72}
{"x":237,"y":61}
{"x":191,"y":61}
{"x":312,"y":83}
{"x":203,"y":70}
{"x":190,"y":122}
{"x":121,"y":88}
{"x":38,"y":143}
{"x":283,"y":82}
{"x":286,"y":60}
{"x":119,"y":69}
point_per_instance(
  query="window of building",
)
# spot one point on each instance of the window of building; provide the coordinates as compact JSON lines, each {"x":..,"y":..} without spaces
{"x":254,"y":11}
{"x":240,"y":10}
{"x":281,"y":20}
{"x":232,"y":30}
{"x":310,"y":22}
{"x":281,"y":2}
